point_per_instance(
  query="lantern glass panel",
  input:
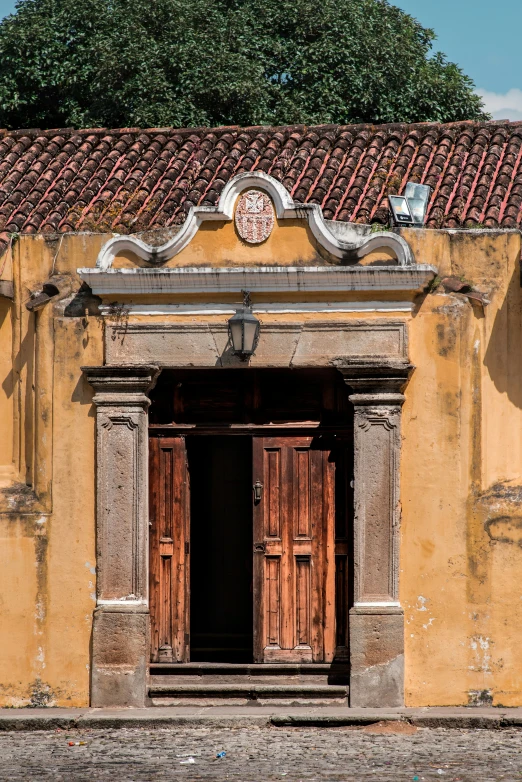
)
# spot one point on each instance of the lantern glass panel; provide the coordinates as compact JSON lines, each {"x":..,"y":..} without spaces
{"x":243,"y":330}
{"x":250,"y":333}
{"x":236,"y":332}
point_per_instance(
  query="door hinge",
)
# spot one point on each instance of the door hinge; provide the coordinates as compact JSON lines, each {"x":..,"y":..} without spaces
{"x":187,"y":547}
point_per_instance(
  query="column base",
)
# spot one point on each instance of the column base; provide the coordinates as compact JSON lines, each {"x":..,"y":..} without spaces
{"x":119,"y":658}
{"x":376,"y":659}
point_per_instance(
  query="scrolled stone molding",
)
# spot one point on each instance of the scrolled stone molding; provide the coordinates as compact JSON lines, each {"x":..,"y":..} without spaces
{"x":353,"y":245}
{"x":383,"y":417}
{"x":120,"y":419}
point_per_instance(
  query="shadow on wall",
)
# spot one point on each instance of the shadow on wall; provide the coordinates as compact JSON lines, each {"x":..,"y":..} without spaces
{"x":83,"y":394}
{"x":503,"y":357}
{"x":497,"y":509}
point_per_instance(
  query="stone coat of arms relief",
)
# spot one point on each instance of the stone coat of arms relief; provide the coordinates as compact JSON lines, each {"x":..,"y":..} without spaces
{"x":254,"y":217}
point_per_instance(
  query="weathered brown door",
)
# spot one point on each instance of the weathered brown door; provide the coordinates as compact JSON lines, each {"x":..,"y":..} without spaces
{"x":294,"y":550}
{"x":169,"y":549}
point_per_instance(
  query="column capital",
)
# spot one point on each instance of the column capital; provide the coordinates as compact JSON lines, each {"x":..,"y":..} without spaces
{"x":121,"y":384}
{"x":376,"y":381}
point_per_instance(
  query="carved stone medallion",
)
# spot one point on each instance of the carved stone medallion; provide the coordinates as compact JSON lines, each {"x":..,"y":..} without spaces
{"x":254,"y":217}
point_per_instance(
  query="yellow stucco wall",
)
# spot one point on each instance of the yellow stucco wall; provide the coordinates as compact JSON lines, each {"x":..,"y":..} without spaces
{"x":461,"y":535}
{"x":47,"y":577}
{"x":462,"y":476}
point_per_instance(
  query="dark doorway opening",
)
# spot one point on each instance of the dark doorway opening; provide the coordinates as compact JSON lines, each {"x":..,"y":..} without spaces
{"x":221,"y":610}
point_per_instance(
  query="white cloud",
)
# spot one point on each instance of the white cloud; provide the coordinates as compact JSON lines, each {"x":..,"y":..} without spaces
{"x":507,"y":106}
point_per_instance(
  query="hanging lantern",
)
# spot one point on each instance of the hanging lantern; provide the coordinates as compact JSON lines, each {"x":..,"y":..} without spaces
{"x":243,"y":329}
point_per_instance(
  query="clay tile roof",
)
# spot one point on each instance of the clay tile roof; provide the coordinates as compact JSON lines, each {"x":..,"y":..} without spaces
{"x":131,"y":179}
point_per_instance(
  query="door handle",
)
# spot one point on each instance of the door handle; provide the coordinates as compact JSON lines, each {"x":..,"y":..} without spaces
{"x":258,"y":491}
{"x":260,"y":548}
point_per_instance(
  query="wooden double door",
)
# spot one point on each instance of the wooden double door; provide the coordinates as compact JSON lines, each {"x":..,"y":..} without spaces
{"x":294,"y":521}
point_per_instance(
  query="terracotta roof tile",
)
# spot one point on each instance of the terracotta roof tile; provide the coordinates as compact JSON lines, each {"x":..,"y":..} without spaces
{"x":133,"y":179}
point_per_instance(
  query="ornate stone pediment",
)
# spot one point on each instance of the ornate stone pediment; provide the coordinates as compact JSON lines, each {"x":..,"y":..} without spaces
{"x":349,"y":246}
{"x":253,"y":208}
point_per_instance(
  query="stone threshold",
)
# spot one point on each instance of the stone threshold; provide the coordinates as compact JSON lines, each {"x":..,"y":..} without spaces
{"x":27,"y":719}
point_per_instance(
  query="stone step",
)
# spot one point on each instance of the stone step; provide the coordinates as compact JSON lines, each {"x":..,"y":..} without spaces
{"x":334,"y":673}
{"x":238,"y":694}
{"x":226,"y":678}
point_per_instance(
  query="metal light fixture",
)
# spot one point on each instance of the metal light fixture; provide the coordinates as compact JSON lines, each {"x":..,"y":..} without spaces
{"x":410,"y":208}
{"x":243,"y":329}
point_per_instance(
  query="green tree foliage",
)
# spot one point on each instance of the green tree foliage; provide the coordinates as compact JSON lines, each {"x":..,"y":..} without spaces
{"x":86,"y":63}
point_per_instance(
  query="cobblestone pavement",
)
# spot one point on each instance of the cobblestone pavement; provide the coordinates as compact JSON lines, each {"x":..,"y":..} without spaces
{"x":383,"y":752}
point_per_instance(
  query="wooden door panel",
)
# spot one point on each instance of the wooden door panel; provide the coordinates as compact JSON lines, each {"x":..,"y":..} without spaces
{"x":169,"y":549}
{"x":272,"y":601}
{"x":294,"y":573}
{"x":303,"y":601}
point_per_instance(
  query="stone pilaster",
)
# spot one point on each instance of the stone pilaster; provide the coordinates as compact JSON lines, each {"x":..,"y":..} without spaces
{"x":120,"y":639}
{"x":376,"y":618}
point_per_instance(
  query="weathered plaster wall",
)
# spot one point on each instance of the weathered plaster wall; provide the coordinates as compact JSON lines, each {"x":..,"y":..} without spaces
{"x":7,"y":409}
{"x":47,"y":577}
{"x":462,"y":479}
{"x":461,"y":551}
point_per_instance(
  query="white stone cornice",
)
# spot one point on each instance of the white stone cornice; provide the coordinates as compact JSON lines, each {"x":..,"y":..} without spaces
{"x":262,"y":308}
{"x":352,"y":245}
{"x":257,"y":279}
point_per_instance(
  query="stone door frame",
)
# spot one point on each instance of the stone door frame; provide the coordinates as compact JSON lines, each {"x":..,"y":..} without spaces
{"x":120,"y":644}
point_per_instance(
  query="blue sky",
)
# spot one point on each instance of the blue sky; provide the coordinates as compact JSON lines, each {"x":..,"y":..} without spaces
{"x":482,"y":37}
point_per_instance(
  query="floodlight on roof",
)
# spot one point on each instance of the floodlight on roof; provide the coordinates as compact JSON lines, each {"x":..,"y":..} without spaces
{"x":410,"y":208}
